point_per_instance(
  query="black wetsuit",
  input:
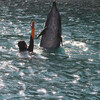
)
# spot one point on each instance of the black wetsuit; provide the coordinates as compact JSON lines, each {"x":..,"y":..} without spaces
{"x":31,"y":45}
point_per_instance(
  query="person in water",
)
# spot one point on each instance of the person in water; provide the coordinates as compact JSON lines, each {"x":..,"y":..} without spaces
{"x":22,"y":44}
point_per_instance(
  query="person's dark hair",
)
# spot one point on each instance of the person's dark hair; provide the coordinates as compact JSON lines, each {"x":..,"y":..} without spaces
{"x":22,"y":45}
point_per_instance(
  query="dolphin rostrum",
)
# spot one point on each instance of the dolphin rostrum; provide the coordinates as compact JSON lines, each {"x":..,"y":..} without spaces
{"x":51,"y":35}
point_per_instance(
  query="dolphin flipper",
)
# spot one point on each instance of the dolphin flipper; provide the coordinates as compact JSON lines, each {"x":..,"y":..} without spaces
{"x":61,"y":41}
{"x":59,"y":35}
{"x":43,"y":32}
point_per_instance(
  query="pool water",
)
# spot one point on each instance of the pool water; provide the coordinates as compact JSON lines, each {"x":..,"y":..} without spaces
{"x":71,"y":72}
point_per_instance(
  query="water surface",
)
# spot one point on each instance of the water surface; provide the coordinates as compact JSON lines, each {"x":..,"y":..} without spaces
{"x":70,"y":73}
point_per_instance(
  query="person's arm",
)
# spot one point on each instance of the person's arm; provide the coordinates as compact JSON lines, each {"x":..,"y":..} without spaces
{"x":31,"y":44}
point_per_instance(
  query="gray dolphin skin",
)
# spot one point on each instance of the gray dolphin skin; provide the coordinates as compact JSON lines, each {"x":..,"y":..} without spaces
{"x":51,"y":35}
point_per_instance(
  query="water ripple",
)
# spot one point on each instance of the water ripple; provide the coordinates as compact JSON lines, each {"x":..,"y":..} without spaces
{"x":69,"y":73}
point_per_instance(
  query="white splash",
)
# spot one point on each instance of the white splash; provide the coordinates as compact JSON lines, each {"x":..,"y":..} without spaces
{"x":42,"y":90}
{"x":91,"y":60}
{"x":80,"y":45}
{"x":21,"y":92}
{"x":76,"y":79}
{"x":1,"y":83}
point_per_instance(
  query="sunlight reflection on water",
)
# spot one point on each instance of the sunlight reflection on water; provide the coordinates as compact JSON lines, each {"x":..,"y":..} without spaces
{"x":69,"y":73}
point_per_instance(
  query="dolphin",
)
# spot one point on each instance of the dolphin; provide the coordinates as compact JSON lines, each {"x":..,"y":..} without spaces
{"x":51,"y":34}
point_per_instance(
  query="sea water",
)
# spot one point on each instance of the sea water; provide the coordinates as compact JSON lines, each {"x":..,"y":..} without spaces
{"x":71,"y":72}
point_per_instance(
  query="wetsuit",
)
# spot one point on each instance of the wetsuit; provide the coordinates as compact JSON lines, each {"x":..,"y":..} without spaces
{"x":31,"y":45}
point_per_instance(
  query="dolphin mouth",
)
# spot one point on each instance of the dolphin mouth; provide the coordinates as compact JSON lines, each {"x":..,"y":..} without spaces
{"x":54,"y":3}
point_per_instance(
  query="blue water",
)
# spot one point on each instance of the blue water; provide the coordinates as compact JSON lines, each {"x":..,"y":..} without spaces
{"x":70,"y":73}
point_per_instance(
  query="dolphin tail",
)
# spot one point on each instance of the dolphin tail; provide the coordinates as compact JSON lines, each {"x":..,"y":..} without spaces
{"x":43,"y":32}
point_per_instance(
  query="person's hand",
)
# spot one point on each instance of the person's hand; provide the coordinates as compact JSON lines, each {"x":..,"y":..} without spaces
{"x":32,"y":26}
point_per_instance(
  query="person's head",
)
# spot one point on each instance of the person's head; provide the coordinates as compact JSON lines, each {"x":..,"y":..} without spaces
{"x":22,"y":45}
